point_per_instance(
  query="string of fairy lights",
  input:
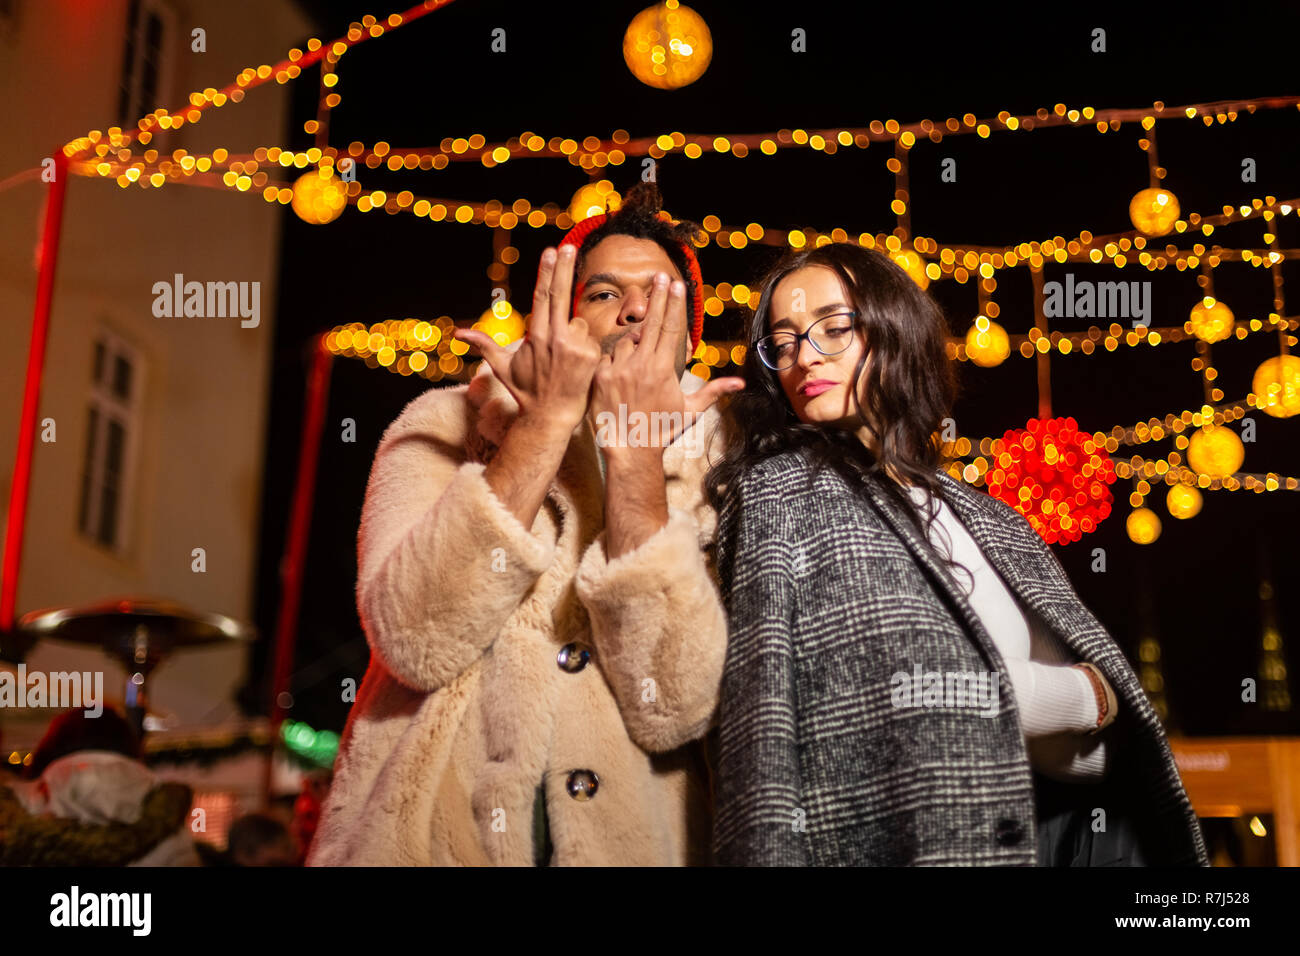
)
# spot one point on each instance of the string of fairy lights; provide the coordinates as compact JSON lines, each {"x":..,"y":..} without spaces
{"x":319,"y":183}
{"x":988,"y":450}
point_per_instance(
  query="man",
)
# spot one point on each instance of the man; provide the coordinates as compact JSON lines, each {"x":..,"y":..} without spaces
{"x":546,"y":633}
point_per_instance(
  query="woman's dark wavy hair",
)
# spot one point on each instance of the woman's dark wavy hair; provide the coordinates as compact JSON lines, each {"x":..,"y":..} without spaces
{"x":909,"y":385}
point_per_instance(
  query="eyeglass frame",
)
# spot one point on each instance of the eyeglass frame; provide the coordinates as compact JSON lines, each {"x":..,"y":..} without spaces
{"x":799,"y":339}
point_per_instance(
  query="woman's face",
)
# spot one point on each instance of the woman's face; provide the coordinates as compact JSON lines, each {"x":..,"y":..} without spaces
{"x":818,"y":386}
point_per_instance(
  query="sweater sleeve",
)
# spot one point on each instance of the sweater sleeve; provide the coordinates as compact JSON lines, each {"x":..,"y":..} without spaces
{"x":441,"y":562}
{"x":1057,"y":709}
{"x":758,"y":788}
{"x":1053,"y":698}
{"x":1070,"y":758}
{"x":660,"y":632}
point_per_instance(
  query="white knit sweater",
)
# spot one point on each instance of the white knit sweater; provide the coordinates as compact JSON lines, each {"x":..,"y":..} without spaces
{"x":1056,"y":701}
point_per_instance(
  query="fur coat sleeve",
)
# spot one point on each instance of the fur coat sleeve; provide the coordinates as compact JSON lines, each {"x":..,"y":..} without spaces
{"x":657,"y":618}
{"x":658,"y":624}
{"x":429,"y":524}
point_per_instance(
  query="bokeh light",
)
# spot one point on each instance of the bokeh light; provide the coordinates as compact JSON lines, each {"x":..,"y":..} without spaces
{"x":667,"y":46}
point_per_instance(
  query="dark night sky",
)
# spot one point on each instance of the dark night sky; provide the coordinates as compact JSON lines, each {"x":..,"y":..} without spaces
{"x":563,"y":74}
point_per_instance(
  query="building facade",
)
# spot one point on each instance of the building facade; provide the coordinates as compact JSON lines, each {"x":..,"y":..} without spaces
{"x":146,"y":479}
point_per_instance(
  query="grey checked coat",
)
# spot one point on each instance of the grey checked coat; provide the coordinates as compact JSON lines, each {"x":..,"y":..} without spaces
{"x":830,"y":595}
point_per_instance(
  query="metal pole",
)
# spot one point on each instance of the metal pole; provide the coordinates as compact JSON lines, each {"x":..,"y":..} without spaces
{"x":295,"y":550}
{"x":50,"y":233}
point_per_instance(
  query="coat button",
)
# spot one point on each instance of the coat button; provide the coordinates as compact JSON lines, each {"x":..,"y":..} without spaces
{"x":582,"y":784}
{"x":1008,"y":832}
{"x":573,"y":657}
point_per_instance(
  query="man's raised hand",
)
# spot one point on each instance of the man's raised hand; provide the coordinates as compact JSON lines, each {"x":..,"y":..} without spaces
{"x":550,"y":373}
{"x":642,"y":376}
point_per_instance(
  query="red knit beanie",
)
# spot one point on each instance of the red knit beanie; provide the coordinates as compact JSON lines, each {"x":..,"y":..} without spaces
{"x":578,"y":235}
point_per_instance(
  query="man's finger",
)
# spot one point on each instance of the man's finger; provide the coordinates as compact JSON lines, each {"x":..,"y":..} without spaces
{"x":674,"y":325}
{"x":498,"y":359}
{"x":561,"y":295}
{"x":539,"y":325}
{"x":654,"y":315}
{"x":578,"y":328}
{"x":702,"y":398}
{"x":624,"y":349}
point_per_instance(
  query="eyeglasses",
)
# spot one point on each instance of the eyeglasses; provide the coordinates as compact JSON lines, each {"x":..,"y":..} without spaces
{"x":829,"y":335}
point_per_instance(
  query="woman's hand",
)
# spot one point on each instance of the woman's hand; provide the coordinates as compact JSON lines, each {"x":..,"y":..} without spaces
{"x":550,"y":374}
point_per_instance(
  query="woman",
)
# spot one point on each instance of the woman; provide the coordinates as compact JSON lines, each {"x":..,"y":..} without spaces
{"x":910,"y":677}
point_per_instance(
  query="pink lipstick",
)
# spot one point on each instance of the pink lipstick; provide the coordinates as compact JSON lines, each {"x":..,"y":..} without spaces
{"x":816,"y":387}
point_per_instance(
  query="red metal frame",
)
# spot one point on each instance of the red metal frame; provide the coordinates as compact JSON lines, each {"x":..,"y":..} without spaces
{"x":295,"y":549}
{"x":50,"y":233}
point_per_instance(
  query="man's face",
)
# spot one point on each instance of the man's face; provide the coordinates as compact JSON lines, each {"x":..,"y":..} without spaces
{"x":613,"y":289}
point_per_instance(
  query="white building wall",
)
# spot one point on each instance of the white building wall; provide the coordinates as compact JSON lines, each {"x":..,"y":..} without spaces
{"x":197,"y":456}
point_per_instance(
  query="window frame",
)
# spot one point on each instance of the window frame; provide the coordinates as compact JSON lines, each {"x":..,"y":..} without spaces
{"x":128,"y":412}
{"x":131,"y":95}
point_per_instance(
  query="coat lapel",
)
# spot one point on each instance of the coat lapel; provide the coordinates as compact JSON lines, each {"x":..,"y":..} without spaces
{"x":937,"y":571}
{"x":997,"y":540}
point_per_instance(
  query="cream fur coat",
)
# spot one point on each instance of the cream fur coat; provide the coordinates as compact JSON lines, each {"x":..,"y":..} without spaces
{"x":464,"y":710}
